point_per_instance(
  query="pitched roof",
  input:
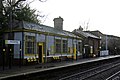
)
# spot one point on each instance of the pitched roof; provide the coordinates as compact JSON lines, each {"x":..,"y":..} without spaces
{"x":48,"y":29}
{"x":86,"y":34}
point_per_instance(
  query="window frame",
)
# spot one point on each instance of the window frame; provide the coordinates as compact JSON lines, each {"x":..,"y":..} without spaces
{"x":65,"y":46}
{"x":29,"y":44}
{"x":58,"y":45}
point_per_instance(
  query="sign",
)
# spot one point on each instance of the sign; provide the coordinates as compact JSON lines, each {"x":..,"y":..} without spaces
{"x":12,"y":42}
{"x":104,"y":53}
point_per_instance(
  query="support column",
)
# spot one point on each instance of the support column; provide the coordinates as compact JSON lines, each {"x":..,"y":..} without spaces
{"x":74,"y":51}
{"x":61,"y":48}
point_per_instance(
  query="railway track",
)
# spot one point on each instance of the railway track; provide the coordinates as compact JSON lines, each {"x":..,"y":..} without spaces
{"x":100,"y":72}
{"x":86,"y":71}
{"x":115,"y":76}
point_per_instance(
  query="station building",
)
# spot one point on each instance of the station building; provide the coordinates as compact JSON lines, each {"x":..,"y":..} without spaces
{"x":91,"y":43}
{"x":43,"y":43}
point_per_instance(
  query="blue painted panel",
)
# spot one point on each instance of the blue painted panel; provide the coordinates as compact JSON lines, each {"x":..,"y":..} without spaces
{"x":50,"y":44}
{"x":50,"y":41}
{"x":17,"y":36}
{"x":70,"y":43}
{"x":40,"y":38}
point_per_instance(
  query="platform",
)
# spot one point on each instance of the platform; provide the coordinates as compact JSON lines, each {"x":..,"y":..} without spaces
{"x":24,"y":70}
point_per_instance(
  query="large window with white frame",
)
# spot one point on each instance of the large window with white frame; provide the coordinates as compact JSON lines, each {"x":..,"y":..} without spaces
{"x":58,"y":45}
{"x":79,"y":46}
{"x":65,"y":46}
{"x":61,"y":46}
{"x":29,"y":44}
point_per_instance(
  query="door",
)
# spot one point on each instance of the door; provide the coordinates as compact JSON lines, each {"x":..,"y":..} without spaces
{"x":87,"y":51}
{"x":40,"y":52}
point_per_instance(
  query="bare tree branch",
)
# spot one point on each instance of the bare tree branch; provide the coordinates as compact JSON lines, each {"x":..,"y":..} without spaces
{"x":42,"y":0}
{"x":31,"y":2}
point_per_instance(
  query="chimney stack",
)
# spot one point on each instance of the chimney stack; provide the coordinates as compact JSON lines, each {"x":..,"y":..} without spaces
{"x":58,"y":23}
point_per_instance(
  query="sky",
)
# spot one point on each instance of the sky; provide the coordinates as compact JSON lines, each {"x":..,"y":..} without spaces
{"x":102,"y":15}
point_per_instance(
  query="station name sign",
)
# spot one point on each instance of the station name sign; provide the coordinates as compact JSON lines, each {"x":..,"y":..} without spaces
{"x":12,"y":42}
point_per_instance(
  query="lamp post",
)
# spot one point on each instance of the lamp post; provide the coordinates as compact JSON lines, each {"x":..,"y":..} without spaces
{"x":106,"y":41}
{"x":12,"y":5}
{"x":115,"y":50}
{"x":20,"y":56}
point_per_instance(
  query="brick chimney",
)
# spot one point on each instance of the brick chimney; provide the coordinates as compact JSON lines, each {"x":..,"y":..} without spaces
{"x":58,"y":23}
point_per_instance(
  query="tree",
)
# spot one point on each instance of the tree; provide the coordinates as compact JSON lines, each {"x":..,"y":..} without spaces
{"x":20,"y":12}
{"x":12,"y":11}
{"x":26,"y":14}
{"x":0,"y":13}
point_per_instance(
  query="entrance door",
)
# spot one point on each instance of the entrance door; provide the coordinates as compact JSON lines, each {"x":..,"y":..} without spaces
{"x":87,"y":51}
{"x":40,"y":52}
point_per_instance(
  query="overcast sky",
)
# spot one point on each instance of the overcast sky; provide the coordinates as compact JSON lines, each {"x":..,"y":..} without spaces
{"x":102,"y":15}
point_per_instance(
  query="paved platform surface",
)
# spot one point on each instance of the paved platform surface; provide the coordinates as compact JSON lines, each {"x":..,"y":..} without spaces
{"x":15,"y":70}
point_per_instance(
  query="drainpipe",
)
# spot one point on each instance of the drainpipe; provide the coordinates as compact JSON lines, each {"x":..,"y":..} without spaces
{"x":106,"y":42}
{"x":46,"y":48}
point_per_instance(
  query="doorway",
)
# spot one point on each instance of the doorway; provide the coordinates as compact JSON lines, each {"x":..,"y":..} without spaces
{"x":40,"y":52}
{"x":87,"y":51}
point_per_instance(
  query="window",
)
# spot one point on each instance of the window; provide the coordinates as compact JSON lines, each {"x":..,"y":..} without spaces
{"x":58,"y":46}
{"x":65,"y":46}
{"x":79,"y":46}
{"x":61,"y":46}
{"x":29,"y":44}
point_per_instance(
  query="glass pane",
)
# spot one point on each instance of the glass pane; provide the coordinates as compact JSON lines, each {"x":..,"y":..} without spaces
{"x":29,"y":44}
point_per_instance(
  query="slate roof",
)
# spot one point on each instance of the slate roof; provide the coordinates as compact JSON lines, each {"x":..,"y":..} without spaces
{"x":44,"y":28}
{"x":86,"y":34}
